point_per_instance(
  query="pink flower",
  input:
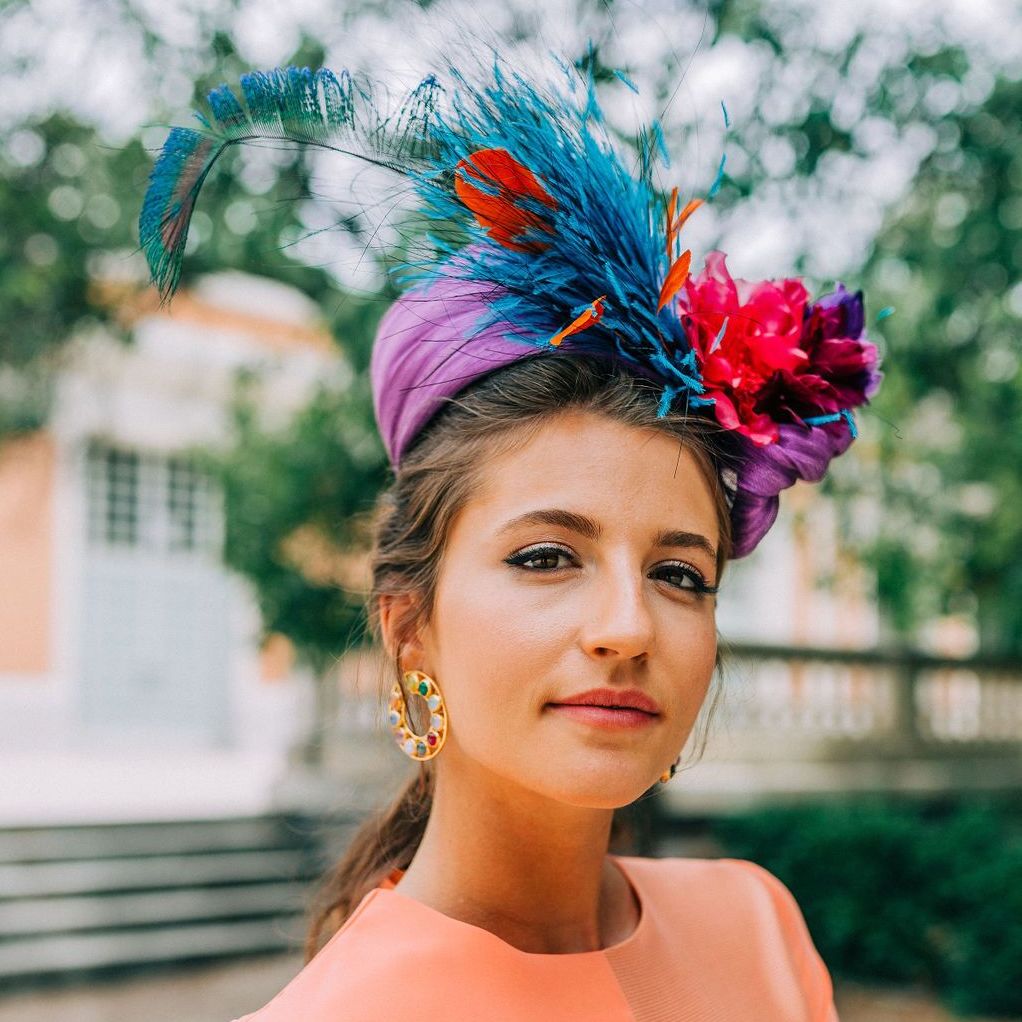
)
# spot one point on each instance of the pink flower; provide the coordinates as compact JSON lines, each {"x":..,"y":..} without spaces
{"x":768,"y":357}
{"x":762,"y":337}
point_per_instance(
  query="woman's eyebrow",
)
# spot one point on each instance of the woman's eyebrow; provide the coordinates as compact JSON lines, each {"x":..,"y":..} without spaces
{"x":688,"y":540}
{"x":571,"y":520}
{"x":591,"y":529}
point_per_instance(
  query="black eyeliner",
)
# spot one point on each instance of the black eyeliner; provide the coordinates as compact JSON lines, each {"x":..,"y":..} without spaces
{"x":520,"y":557}
{"x":701,"y":587}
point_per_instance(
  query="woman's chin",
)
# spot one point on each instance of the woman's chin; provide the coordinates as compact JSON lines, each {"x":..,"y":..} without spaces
{"x":607,"y":792}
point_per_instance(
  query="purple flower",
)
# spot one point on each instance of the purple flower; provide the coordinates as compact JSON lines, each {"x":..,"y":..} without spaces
{"x":832,"y":337}
{"x":838,"y":314}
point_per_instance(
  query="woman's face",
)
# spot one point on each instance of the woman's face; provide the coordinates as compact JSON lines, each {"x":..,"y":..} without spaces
{"x":577,"y":565}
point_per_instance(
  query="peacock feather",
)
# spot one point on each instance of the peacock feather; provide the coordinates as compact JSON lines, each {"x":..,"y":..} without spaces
{"x":295,"y":105}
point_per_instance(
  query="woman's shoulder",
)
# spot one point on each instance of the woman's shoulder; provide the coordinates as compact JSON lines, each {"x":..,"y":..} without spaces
{"x":361,"y":973}
{"x":355,"y":977}
{"x":728,"y":896}
{"x":717,"y":869}
{"x":715,"y":875}
{"x":738,"y":891}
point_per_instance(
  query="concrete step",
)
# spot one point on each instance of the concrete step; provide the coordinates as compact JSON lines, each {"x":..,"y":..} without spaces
{"x":43,"y":844}
{"x":26,"y":917}
{"x":152,"y":872}
{"x":27,"y":961}
{"x":82,"y":901}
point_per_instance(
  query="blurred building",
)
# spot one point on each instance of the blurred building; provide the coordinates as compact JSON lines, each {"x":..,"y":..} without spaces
{"x":800,"y":586}
{"x":120,"y":629}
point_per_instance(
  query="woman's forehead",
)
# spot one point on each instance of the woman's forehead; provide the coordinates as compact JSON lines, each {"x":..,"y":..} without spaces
{"x":610,"y":471}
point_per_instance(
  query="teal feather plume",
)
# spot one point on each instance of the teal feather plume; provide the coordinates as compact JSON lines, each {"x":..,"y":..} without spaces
{"x":297,"y":105}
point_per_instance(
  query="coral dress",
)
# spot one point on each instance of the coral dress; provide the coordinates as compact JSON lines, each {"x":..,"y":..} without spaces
{"x":718,"y":940}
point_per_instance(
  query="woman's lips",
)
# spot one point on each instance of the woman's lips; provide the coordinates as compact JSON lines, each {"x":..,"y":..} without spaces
{"x":604,"y":716}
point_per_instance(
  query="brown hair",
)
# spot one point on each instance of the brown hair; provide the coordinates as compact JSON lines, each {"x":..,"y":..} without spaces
{"x":437,"y":476}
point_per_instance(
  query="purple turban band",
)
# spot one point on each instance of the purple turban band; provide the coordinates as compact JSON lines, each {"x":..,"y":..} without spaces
{"x":802,"y":452}
{"x":429,"y":347}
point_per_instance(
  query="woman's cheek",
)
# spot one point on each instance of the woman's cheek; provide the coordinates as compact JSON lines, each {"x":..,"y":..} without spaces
{"x":489,"y":640}
{"x":693,"y":656}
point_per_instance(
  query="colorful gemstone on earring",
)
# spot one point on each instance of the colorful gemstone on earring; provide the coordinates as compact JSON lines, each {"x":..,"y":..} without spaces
{"x":416,"y":746}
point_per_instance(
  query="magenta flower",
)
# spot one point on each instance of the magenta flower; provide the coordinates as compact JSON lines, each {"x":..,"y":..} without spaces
{"x":769,"y":357}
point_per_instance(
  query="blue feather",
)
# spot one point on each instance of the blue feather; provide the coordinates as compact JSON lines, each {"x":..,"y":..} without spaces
{"x":719,"y":179}
{"x":622,"y":77}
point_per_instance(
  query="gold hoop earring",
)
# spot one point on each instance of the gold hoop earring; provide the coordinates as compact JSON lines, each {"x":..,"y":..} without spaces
{"x":670,"y":772}
{"x":414,"y":745}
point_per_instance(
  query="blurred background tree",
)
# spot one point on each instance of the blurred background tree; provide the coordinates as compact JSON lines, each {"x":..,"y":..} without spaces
{"x":880,"y":150}
{"x":71,"y":201}
{"x":950,"y":259}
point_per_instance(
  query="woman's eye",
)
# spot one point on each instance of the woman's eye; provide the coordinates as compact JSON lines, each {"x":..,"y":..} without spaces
{"x":551,"y":558}
{"x":541,"y":559}
{"x":682,"y":576}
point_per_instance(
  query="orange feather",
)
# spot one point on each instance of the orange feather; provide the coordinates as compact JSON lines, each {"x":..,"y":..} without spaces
{"x":589,"y":317}
{"x":676,"y":277}
{"x":690,"y":207}
{"x":495,"y":209}
{"x":674,"y":226}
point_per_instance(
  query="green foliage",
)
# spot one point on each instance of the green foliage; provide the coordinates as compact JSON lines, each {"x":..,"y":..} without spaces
{"x":854,"y":870}
{"x":985,"y":963}
{"x":68,"y":201}
{"x":63,"y":204}
{"x":62,"y":198}
{"x":26,"y":396}
{"x":296,"y":501}
{"x":951,"y":264}
{"x":899,"y":892}
{"x":944,"y":479}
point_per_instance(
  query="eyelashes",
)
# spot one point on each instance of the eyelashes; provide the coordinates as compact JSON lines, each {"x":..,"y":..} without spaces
{"x":680,"y":568}
{"x":522,"y":558}
{"x":546,"y":558}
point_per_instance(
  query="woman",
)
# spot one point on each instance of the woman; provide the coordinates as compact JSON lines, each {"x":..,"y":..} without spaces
{"x":581,"y":436}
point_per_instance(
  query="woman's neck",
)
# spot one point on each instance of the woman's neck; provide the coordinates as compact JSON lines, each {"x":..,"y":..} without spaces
{"x":532,"y":871}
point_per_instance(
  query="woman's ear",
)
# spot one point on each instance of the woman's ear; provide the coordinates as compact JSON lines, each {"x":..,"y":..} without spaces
{"x":399,"y":631}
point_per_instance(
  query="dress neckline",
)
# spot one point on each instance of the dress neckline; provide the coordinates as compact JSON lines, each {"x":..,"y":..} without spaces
{"x":387,"y":889}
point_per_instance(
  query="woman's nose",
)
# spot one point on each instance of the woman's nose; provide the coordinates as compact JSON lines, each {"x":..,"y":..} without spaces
{"x":618,"y":620}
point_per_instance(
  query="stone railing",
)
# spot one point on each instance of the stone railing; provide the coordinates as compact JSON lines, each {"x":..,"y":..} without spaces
{"x":802,"y":722}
